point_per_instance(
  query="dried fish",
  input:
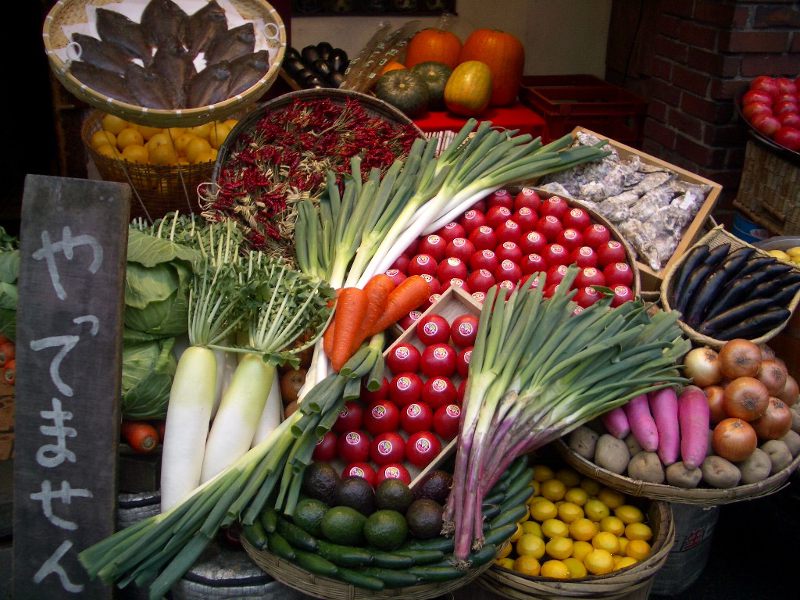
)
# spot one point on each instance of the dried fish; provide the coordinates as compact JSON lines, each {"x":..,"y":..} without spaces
{"x":102,"y":54}
{"x":247,"y":70}
{"x":102,"y":81}
{"x":175,"y":66}
{"x":117,"y":29}
{"x":203,"y":26}
{"x":209,"y":86}
{"x":164,"y":23}
{"x":231,"y":44}
{"x":149,"y":88}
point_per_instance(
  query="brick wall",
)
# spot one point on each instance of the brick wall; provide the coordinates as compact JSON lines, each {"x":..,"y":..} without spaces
{"x":692,"y":58}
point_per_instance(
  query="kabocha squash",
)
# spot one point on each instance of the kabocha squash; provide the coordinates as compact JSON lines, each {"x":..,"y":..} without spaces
{"x":504,"y":54}
{"x":433,"y":45}
{"x":405,"y":90}
{"x":392,"y":65}
{"x":468,"y":89}
{"x":435,"y":76}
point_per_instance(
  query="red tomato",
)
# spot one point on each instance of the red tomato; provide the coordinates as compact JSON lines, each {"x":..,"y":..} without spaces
{"x":785,"y":106}
{"x":445,"y":421}
{"x":497,"y":215}
{"x":587,"y":296}
{"x":434,"y":246}
{"x":410,"y":319}
{"x":751,"y":96}
{"x":480,"y":280}
{"x":505,"y":287}
{"x":550,"y":227}
{"x":325,"y":450}
{"x":401,"y":264}
{"x":361,"y":469}
{"x":462,"y":388}
{"x":451,"y":267}
{"x":422,"y":264}
{"x":484,"y":259}
{"x":353,"y":446}
{"x":405,"y":388}
{"x":387,"y":448}
{"x":483,"y":238}
{"x":526,"y":218}
{"x":479,"y":297}
{"x":464,"y":330}
{"x":403,"y":357}
{"x":438,"y":391}
{"x":501,"y":197}
{"x":622,"y":293}
{"x":533,"y":263}
{"x":577,"y":218}
{"x":556,"y":254}
{"x":461,"y":248}
{"x":788,"y":137}
{"x":396,"y":275}
{"x":786,"y":86}
{"x":438,"y":360}
{"x":452,"y":231}
{"x":766,"y":84}
{"x":585,"y":256}
{"x":619,"y":273}
{"x":416,"y":417}
{"x":462,"y":361}
{"x":790,"y":120}
{"x":571,"y":239}
{"x":752,"y":110}
{"x":533,"y":243}
{"x":596,"y":235}
{"x":381,"y":416}
{"x":472,"y":219}
{"x":433,"y":329}
{"x":589,"y":276}
{"x":411,"y":250}
{"x":509,"y":231}
{"x":611,"y":252}
{"x":381,"y":393}
{"x":432,"y":299}
{"x":456,"y":282}
{"x":550,"y":290}
{"x":350,"y":418}
{"x":509,"y":251}
{"x":422,"y":447}
{"x":555,"y":206}
{"x":508,"y":270}
{"x":528,"y":198}
{"x":436,"y":287}
{"x":394,"y":471}
{"x":555,"y":274}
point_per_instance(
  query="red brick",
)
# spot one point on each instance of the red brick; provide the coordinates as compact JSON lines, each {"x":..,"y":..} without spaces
{"x":686,"y":124}
{"x":720,"y":65}
{"x":661,"y":90}
{"x":754,"y":41}
{"x":657,"y":110}
{"x":661,"y":68}
{"x":769,"y":64}
{"x":668,"y":25}
{"x":776,"y":16}
{"x":725,"y":135}
{"x":689,"y":79}
{"x":741,"y":16}
{"x":795,"y":42}
{"x":734,"y":156}
{"x":728,"y":179}
{"x":699,"y":36}
{"x":725,"y":89}
{"x":708,"y":110}
{"x":699,"y":153}
{"x":681,"y":8}
{"x":660,"y":133}
{"x":671,"y":49}
{"x":715,"y":13}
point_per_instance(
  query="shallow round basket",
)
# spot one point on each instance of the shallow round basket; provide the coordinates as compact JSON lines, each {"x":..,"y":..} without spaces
{"x":716,"y":237}
{"x":157,"y":189}
{"x":671,"y":493}
{"x":333,"y":589}
{"x":630,"y":583}
{"x":68,"y":13}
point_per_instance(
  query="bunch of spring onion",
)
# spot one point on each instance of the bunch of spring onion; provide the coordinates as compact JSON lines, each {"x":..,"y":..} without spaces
{"x":158,"y":551}
{"x":538,"y":371}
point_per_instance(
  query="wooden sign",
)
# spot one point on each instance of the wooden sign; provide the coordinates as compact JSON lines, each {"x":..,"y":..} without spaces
{"x":69,"y":344}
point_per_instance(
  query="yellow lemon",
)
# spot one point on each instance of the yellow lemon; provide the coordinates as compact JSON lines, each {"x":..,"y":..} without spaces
{"x":129,"y":136}
{"x":595,"y":510}
{"x":163,"y":155}
{"x":505,"y":563}
{"x":611,"y":498}
{"x":102,"y":137}
{"x":553,"y":489}
{"x":794,"y":251}
{"x":624,"y":562}
{"x":576,"y":568}
{"x":536,"y":487}
{"x":504,"y":551}
{"x":182,"y":161}
{"x":580,"y":549}
{"x":182,"y":141}
{"x":517,"y":534}
{"x":107,"y":150}
{"x":148,"y":132}
{"x":638,"y":549}
{"x":174,"y":132}
{"x":612,"y":525}
{"x":568,"y":512}
{"x":542,"y":473}
{"x":605,"y":540}
{"x":535,"y":499}
{"x":568,"y":477}
{"x":543,"y":510}
{"x":532,"y":527}
{"x":779,"y":254}
{"x":217,"y":135}
{"x":599,"y":562}
{"x":554,"y":528}
{"x":113,"y":123}
{"x":638,"y":531}
{"x":527,"y":565}
{"x":159,"y":139}
{"x":629,"y":514}
{"x":576,"y":495}
{"x":555,"y":569}
{"x":583,"y":529}
{"x":135,"y":153}
{"x":231,"y":123}
{"x":201,"y":130}
{"x":530,"y":545}
{"x":590,"y":486}
{"x":559,"y":547}
{"x":623,"y":543}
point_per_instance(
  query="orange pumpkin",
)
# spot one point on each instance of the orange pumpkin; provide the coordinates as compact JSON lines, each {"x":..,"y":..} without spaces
{"x":505,"y":57}
{"x":468,"y":89}
{"x":433,"y":45}
{"x":392,"y":65}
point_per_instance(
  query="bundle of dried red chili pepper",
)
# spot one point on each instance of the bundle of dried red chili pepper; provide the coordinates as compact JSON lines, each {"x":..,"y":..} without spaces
{"x":285,"y":156}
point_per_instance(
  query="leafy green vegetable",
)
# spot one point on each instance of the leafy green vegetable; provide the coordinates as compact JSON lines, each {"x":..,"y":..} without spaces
{"x":147,"y":372}
{"x":9,"y":271}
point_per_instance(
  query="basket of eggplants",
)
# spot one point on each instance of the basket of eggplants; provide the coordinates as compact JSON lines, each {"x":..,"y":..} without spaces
{"x":316,"y":65}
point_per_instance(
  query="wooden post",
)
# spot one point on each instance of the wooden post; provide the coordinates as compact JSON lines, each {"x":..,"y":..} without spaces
{"x":69,"y":344}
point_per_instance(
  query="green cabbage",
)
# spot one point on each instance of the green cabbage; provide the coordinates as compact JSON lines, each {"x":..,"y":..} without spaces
{"x":147,"y":372}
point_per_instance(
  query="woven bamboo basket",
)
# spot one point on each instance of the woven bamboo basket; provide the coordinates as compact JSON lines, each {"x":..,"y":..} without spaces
{"x":158,"y":189}
{"x":713,"y":238}
{"x":332,"y":589}
{"x":628,"y":584}
{"x":670,"y":493}
{"x":67,"y":13}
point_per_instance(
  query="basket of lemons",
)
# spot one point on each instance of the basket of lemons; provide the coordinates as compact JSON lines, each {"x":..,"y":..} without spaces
{"x":163,"y":166}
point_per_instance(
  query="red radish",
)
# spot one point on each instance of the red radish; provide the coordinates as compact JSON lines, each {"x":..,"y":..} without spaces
{"x":393,"y":471}
{"x":571,"y":239}
{"x":452,"y":231}
{"x":556,"y":254}
{"x":422,"y":447}
{"x":533,"y":242}
{"x":479,"y":297}
{"x":497,"y":215}
{"x":350,"y":417}
{"x":436,"y":287}
{"x":525,"y":218}
{"x":485,"y":259}
{"x":483,"y":238}
{"x":403,"y":357}
{"x":396,"y":275}
{"x":480,"y":280}
{"x":577,"y":218}
{"x":381,"y":416}
{"x":456,"y":282}
{"x":508,"y":270}
{"x":587,"y":296}
{"x":533,"y":263}
{"x":325,"y":450}
{"x":462,"y":361}
{"x":618,"y":273}
{"x":422,"y":264}
{"x":610,"y":252}
{"x":596,"y":235}
{"x":460,"y":248}
{"x":527,"y":198}
{"x":405,"y":388}
{"x":353,"y":446}
{"x":409,"y":320}
{"x":501,"y":197}
{"x":434,"y":246}
{"x":411,"y":249}
{"x":664,"y":408}
{"x":451,"y":267}
{"x":550,"y":227}
{"x":509,"y":251}
{"x":363,"y":470}
{"x":432,"y":329}
{"x":585,"y":256}
{"x":589,"y":276}
{"x":416,"y":417}
{"x":555,"y":206}
{"x":642,"y":424}
{"x":401,"y":264}
{"x":471,"y":220}
{"x":464,"y":330}
{"x":438,"y":360}
{"x":616,"y":423}
{"x":694,"y":418}
{"x":438,"y":391}
{"x":509,"y":231}
{"x":381,"y":393}
{"x":387,"y":448}
{"x":622,"y":293}
{"x":555,"y":274}
{"x":445,"y":421}
{"x":462,"y":388}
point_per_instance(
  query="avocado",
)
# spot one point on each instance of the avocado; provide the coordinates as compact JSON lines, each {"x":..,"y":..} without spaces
{"x":343,"y":525}
{"x":356,"y":493}
{"x":424,"y":518}
{"x":386,"y":529}
{"x":435,"y":486}
{"x":308,"y":515}
{"x":319,"y":482}
{"x":393,"y":494}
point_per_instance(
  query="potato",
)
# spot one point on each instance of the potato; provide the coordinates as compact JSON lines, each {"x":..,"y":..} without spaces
{"x":720,"y":473}
{"x":633,"y":446}
{"x":795,"y":419}
{"x":792,"y":439}
{"x":583,"y":441}
{"x":756,"y":467}
{"x":646,"y":466}
{"x":779,"y":454}
{"x":679,"y":476}
{"x":612,"y":454}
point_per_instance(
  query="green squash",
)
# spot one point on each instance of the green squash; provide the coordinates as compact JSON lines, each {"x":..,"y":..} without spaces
{"x":405,"y":90}
{"x":435,"y":75}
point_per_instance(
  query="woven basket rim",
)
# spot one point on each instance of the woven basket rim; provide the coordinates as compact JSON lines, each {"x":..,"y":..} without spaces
{"x":718,"y":232}
{"x":670,"y":493}
{"x":154,"y":116}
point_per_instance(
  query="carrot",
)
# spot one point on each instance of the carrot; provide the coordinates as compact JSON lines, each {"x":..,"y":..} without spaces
{"x":377,"y":289}
{"x":693,"y":414}
{"x":141,"y":436}
{"x":642,"y":424}
{"x":616,"y":423}
{"x":350,"y":309}
{"x":327,"y":338}
{"x":407,"y":296}
{"x":664,"y":406}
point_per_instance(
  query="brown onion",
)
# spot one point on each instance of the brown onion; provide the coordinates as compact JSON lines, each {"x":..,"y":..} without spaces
{"x":745,"y":398}
{"x":702,"y":365}
{"x":734,"y":439}
{"x":775,"y":422}
{"x":767,"y":352}
{"x":739,"y":358}
{"x":773,"y":375}
{"x":715,"y":395}
{"x":790,"y":392}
